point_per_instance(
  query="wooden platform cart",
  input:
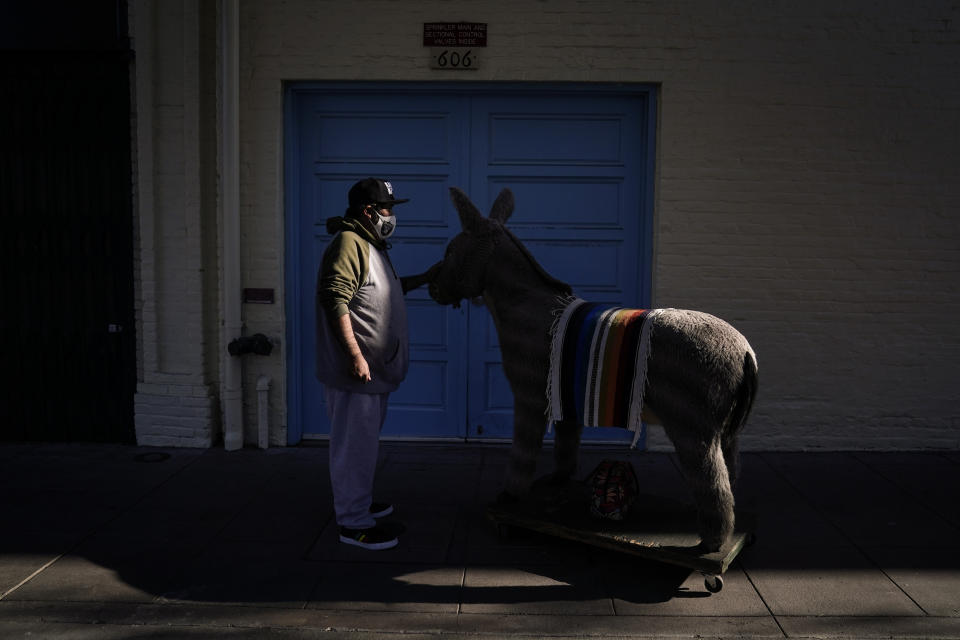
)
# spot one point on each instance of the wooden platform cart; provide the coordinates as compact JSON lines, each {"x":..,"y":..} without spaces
{"x":656,"y":528}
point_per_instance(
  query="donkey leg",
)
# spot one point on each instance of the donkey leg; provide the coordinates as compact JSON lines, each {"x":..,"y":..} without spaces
{"x":566,"y":449}
{"x":529,"y":426}
{"x":706,"y":472}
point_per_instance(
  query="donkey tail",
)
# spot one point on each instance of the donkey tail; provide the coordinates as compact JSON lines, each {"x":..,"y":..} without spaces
{"x":746,"y":394}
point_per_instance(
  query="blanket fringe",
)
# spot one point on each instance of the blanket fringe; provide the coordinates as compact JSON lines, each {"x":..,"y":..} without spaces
{"x":566,"y":305}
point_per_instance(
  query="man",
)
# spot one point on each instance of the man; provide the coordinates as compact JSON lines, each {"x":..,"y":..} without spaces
{"x":362,"y":352}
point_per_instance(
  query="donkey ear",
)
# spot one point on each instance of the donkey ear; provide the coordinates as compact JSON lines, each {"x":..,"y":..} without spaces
{"x":470,"y":216}
{"x":502,"y":207}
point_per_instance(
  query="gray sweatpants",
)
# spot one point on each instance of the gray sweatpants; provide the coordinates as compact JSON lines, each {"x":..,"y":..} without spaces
{"x":355,"y":423}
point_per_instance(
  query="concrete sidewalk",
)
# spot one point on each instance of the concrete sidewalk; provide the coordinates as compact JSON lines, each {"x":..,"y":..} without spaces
{"x":108,"y":541}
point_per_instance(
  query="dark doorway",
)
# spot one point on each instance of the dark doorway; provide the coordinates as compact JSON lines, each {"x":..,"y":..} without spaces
{"x":66,"y":251}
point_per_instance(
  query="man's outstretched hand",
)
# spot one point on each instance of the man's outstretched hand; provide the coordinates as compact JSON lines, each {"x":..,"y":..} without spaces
{"x":410,"y":283}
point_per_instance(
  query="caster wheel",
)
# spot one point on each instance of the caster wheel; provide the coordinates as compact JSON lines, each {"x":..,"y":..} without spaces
{"x":713,"y":583}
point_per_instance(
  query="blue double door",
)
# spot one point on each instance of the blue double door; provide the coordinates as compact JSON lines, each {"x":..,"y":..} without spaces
{"x":579,"y":161}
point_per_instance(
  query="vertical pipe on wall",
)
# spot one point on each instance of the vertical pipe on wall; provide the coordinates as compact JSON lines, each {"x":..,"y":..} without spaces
{"x":230,"y":203}
{"x":263,"y":412}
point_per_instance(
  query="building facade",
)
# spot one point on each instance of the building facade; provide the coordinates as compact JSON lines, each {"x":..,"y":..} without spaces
{"x":792,"y":168}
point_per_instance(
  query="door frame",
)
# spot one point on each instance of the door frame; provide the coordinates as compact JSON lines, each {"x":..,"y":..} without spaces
{"x":293,"y":287}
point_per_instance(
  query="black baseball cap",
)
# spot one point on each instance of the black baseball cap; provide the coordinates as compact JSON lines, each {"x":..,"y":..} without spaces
{"x":373,"y":191}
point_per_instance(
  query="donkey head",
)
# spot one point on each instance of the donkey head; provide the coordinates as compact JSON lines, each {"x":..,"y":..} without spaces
{"x":463,"y":271}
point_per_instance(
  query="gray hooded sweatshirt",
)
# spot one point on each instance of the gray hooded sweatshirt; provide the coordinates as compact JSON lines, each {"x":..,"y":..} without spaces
{"x":357,"y":277}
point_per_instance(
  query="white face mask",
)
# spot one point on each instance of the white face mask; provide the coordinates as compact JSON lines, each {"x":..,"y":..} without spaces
{"x":385,"y":225}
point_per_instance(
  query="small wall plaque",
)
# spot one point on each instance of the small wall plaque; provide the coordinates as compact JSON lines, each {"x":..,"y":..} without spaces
{"x":258,"y":296}
{"x":455,"y":45}
{"x":455,"y":34}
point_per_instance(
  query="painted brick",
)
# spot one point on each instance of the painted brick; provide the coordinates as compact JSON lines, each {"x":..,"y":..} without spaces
{"x":175,"y":307}
{"x":790,"y":180}
{"x":808,"y":184}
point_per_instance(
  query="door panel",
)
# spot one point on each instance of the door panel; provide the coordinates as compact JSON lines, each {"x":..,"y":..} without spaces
{"x":339,"y":138}
{"x":577,"y":160}
{"x":572,"y":161}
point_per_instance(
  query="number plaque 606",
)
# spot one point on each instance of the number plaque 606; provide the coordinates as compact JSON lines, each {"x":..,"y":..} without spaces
{"x":464,"y":59}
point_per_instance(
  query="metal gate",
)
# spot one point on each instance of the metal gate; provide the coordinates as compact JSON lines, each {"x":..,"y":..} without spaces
{"x":67,"y":251}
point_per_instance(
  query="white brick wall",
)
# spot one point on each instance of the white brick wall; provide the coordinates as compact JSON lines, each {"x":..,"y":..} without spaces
{"x":174,"y":415}
{"x":175,"y":403}
{"x":808,"y":180}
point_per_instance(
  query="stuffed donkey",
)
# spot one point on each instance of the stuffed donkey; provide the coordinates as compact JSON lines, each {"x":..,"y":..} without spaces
{"x":689,"y":371}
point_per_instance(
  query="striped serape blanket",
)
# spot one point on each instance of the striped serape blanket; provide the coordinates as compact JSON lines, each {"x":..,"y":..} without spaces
{"x":598,"y":365}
